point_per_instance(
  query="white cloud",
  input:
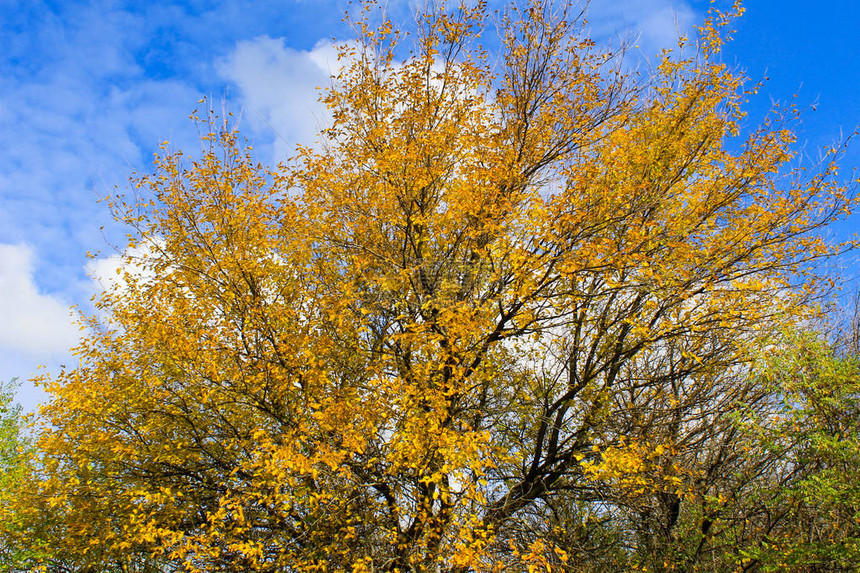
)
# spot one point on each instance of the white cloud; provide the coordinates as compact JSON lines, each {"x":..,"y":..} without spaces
{"x":34,"y":323}
{"x":105,"y":272}
{"x":109,"y":273}
{"x":280,"y":88}
{"x":36,"y":328}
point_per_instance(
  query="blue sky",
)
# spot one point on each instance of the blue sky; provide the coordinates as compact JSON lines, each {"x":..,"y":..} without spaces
{"x":89,"y":88}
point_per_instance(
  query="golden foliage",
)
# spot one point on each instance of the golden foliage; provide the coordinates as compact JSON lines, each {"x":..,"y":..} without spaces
{"x":500,"y":287}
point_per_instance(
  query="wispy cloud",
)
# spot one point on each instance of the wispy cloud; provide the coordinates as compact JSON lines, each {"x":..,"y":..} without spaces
{"x":78,"y":115}
{"x":645,"y":26}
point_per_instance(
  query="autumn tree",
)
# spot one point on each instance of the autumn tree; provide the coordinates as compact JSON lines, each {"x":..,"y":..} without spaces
{"x":499,"y":318}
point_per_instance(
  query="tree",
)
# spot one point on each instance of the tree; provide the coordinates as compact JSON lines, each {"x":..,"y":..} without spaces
{"x":10,"y":427}
{"x":498,"y":319}
{"x":13,"y":446}
{"x":811,"y":520}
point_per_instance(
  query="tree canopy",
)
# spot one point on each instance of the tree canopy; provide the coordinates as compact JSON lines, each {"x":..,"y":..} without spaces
{"x":505,"y":315}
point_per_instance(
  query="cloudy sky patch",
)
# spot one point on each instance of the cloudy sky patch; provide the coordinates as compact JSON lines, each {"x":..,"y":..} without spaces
{"x":36,"y":328}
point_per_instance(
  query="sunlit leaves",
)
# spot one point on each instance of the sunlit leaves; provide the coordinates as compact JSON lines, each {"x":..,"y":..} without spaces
{"x":497,"y":319}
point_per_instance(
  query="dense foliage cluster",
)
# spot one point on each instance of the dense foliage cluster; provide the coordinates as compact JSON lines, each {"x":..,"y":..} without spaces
{"x":508,"y":315}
